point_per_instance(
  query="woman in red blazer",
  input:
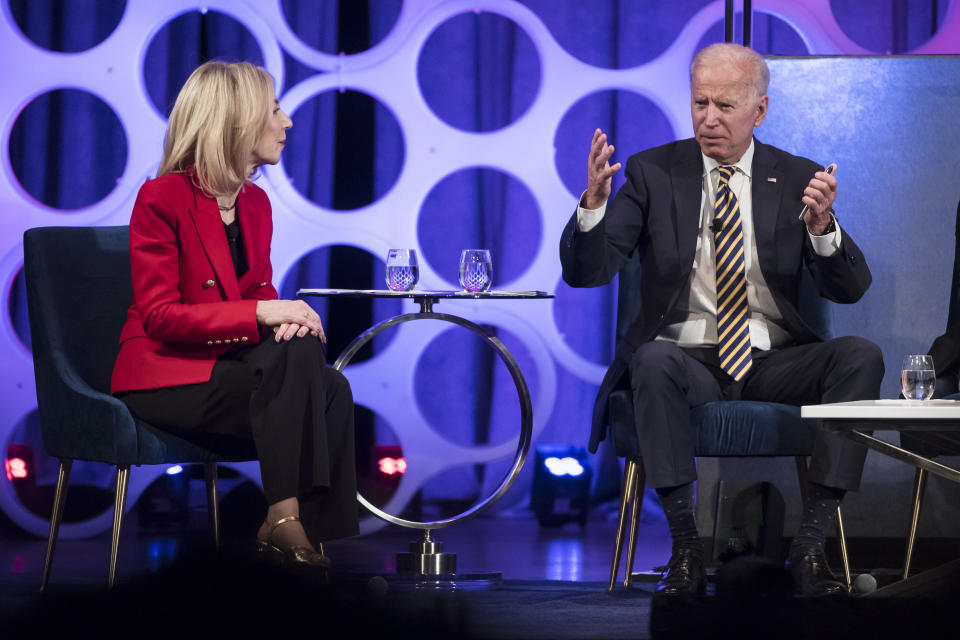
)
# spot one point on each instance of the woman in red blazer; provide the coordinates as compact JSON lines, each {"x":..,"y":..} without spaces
{"x":207,"y":347}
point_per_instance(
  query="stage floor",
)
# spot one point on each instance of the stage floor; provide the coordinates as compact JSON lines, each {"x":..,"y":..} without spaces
{"x":539,"y":567}
{"x":514,"y":546}
{"x":552,"y":584}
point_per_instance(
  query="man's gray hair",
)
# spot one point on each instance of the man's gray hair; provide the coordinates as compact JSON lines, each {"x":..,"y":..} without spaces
{"x":734,"y":54}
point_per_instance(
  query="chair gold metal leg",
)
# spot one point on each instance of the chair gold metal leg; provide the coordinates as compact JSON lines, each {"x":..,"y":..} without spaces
{"x":841,"y":534}
{"x":639,"y":483}
{"x":629,"y":480}
{"x":210,"y":477}
{"x":919,"y":485}
{"x":56,"y":517}
{"x":119,"y":502}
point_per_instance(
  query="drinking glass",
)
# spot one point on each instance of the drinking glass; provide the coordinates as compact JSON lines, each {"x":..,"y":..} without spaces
{"x":402,"y":270}
{"x":476,"y":270}
{"x":917,"y":377}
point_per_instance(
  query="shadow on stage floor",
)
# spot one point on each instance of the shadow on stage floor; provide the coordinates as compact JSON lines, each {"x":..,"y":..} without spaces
{"x":552,"y":585}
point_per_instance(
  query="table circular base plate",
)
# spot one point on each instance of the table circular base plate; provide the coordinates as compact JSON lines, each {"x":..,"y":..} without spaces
{"x":454,"y":582}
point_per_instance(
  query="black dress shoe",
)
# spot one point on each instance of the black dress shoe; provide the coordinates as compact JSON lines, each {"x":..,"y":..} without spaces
{"x":685,"y":574}
{"x":811,"y":575}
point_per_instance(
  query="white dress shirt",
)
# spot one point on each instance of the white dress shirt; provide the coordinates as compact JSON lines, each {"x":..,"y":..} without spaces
{"x":693,"y":322}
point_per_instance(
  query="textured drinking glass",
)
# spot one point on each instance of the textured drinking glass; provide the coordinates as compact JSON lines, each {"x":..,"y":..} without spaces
{"x":402,"y":270}
{"x":917,"y":377}
{"x":476,"y":270}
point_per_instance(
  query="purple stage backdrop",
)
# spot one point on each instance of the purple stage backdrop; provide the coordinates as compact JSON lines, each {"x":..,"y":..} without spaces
{"x":437,"y":125}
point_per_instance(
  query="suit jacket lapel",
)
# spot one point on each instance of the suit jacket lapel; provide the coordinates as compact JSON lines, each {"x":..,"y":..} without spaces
{"x":766,"y":191}
{"x":209,"y":226}
{"x":687,"y":177}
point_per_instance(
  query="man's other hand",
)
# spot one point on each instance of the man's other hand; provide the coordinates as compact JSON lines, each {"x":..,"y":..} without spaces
{"x":819,"y":195}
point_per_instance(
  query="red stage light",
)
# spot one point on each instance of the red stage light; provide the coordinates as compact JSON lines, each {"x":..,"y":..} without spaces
{"x":18,"y":462}
{"x":390,"y":466}
{"x":16,"y":468}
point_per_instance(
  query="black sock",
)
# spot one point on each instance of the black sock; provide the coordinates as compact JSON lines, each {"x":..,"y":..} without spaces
{"x":679,"y":506}
{"x":820,"y":510}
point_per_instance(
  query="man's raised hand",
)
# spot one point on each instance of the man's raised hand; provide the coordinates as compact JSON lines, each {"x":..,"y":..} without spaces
{"x":599,"y":172}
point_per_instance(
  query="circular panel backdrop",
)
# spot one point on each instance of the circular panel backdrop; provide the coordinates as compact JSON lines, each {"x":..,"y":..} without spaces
{"x":525,"y":126}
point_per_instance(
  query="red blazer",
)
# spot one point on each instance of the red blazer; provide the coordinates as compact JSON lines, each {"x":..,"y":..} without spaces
{"x":188,"y":306}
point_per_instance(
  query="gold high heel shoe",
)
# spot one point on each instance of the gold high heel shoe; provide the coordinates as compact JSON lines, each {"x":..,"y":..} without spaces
{"x":298,"y":557}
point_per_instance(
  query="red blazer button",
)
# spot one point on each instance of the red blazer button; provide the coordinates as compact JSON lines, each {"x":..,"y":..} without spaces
{"x":208,"y":283}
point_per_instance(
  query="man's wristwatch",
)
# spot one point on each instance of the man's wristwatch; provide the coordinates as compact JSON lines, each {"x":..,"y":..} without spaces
{"x":832,"y":225}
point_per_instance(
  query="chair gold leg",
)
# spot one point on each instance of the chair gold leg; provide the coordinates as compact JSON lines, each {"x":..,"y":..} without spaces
{"x":841,"y":534}
{"x":210,"y":478}
{"x":56,"y":517}
{"x":639,"y":484}
{"x":919,"y":485}
{"x":119,"y":502}
{"x":629,"y":480}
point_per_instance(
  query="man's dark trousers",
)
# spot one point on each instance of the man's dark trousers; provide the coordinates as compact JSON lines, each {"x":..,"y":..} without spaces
{"x":667,"y":381}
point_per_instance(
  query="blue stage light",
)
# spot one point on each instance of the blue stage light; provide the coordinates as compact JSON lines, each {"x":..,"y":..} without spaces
{"x":567,"y":466}
{"x":561,"y":485}
{"x":174,"y":470}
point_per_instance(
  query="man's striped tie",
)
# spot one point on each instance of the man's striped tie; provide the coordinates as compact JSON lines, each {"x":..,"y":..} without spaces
{"x":733,"y":315}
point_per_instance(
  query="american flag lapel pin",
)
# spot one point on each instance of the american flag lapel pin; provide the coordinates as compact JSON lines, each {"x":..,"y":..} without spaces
{"x":771,"y":179}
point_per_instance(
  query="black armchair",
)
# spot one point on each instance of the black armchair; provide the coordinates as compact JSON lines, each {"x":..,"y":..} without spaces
{"x":723,"y":429}
{"x":78,"y":291}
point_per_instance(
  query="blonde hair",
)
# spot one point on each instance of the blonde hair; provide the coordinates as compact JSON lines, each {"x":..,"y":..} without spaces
{"x":735,"y":55}
{"x":218,"y":118}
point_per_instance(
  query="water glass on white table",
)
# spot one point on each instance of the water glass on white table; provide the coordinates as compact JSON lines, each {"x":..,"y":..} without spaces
{"x":917,"y":377}
{"x":402,"y":270}
{"x":476,"y":270}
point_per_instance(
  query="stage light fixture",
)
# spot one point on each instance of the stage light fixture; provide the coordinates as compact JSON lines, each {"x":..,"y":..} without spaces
{"x":567,"y":466}
{"x":16,"y":468}
{"x":561,"y":485}
{"x":166,"y":501}
{"x":18,"y":463}
{"x":391,"y":466}
{"x":381,"y":472}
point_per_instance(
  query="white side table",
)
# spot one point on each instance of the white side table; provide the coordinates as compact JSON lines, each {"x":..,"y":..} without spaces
{"x":930,"y":419}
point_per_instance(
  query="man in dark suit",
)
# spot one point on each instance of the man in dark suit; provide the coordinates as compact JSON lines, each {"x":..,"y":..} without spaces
{"x":715,"y":219}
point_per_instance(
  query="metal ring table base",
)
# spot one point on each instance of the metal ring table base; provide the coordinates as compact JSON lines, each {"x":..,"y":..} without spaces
{"x":426,"y":556}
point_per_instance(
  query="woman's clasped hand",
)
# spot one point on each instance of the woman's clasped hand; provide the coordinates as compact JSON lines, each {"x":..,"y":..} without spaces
{"x":289,"y":318}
